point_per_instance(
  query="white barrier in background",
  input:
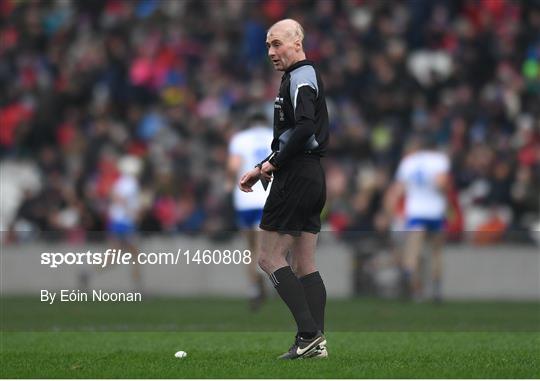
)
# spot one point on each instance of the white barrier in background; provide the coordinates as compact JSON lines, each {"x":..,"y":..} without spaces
{"x":22,"y":272}
{"x":502,"y":272}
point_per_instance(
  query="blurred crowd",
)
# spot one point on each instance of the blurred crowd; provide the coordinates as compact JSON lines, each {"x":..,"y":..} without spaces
{"x":84,"y":83}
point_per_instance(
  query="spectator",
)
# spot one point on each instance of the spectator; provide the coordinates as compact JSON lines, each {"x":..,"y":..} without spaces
{"x":82,"y":83}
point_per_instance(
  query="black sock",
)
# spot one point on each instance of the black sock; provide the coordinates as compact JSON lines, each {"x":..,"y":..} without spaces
{"x":291,"y":291}
{"x":315,"y":296}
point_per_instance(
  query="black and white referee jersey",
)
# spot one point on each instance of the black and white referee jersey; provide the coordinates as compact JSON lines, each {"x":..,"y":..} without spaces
{"x":300,"y":114}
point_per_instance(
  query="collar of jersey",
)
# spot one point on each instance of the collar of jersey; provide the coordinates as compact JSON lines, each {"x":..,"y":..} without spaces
{"x":297,"y":65}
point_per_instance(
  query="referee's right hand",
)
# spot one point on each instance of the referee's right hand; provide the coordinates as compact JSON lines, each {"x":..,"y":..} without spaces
{"x":249,"y":179}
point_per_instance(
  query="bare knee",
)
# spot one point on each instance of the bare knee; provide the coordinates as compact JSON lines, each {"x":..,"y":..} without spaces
{"x":271,"y":262}
{"x":301,"y":270}
{"x":266,"y":264}
{"x":294,"y":265}
{"x":302,"y":266}
{"x":263,"y":263}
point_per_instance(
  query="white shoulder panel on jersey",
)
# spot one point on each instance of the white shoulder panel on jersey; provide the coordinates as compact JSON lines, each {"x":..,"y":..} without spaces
{"x":303,"y":76}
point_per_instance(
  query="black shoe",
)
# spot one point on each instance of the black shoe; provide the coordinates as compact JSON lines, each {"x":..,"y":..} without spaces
{"x":304,"y":348}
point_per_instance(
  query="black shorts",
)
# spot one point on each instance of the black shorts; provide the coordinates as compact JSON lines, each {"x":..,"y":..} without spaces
{"x":296,"y":198}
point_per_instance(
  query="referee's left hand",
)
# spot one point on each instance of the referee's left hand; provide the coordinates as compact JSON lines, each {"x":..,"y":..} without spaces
{"x":266,"y":170}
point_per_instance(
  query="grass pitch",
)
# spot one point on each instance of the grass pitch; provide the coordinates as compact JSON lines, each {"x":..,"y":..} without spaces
{"x":366,"y":339}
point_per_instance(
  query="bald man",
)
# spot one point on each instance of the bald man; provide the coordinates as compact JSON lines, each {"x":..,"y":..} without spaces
{"x":291,"y":216}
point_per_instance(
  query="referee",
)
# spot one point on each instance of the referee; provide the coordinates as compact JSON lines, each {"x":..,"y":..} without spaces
{"x":291,"y":215}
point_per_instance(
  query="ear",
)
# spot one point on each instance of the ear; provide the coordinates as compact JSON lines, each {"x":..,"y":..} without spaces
{"x":297,"y":45}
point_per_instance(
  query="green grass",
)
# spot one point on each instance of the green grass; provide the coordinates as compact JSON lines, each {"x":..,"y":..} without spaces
{"x":366,"y":338}
{"x":252,"y":355}
{"x":196,"y":314}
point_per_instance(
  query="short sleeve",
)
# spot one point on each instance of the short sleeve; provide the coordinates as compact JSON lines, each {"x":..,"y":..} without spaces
{"x":235,"y":146}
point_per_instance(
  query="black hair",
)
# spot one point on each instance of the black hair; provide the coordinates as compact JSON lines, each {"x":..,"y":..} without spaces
{"x":257,"y":118}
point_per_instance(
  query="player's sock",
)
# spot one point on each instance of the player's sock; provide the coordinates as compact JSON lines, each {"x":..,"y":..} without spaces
{"x":291,"y":291}
{"x":315,"y":296}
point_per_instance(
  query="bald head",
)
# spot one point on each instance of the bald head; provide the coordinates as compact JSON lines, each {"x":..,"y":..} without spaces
{"x":284,"y":43}
{"x":289,"y":28}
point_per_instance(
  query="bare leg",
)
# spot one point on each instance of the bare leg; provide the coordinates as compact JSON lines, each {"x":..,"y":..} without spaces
{"x":437,"y":243}
{"x":136,"y":267}
{"x":125,"y":246}
{"x":273,"y":249}
{"x":257,"y":292}
{"x":411,"y":255}
{"x":303,"y":254}
{"x":251,"y":238}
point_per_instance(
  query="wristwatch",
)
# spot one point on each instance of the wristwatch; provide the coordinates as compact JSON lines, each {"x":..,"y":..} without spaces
{"x":272,"y":161}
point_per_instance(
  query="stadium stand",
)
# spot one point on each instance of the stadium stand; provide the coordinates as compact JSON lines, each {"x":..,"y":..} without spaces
{"x":84,"y":83}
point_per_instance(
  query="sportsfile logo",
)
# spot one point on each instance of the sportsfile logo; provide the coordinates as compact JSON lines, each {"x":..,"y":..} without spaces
{"x":109,"y":257}
{"x":119,"y":257}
